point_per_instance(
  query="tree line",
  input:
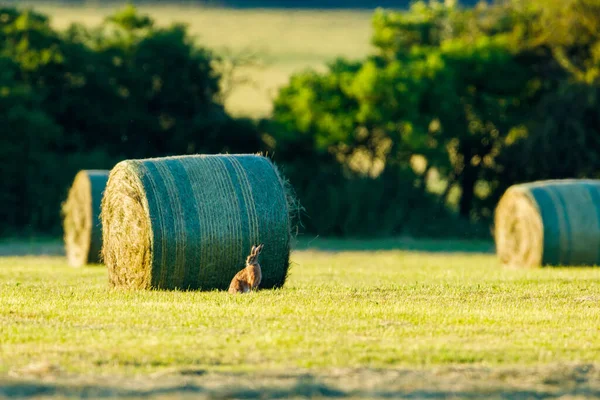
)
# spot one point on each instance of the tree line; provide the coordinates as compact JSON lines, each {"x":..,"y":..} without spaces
{"x":421,"y":137}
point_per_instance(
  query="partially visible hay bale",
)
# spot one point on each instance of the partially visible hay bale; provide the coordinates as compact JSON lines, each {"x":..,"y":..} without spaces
{"x":549,"y":223}
{"x":81,"y":217}
{"x":188,"y":222}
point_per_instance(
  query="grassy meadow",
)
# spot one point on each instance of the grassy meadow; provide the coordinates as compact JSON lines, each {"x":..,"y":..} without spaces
{"x":356,"y":318}
{"x":399,"y":319}
{"x":284,"y":41}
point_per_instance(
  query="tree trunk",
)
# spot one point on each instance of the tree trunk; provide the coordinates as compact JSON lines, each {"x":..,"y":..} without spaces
{"x":443,"y":200}
{"x":467,"y":182}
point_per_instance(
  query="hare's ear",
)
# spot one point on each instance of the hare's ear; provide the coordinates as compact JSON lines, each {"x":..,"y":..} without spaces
{"x":252,"y":250}
{"x":259,"y":248}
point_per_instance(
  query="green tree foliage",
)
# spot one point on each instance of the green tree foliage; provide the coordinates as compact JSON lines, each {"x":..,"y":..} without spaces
{"x":482,"y":97}
{"x":346,"y":140}
{"x":86,"y":98}
{"x":27,"y":131}
{"x":421,"y":137}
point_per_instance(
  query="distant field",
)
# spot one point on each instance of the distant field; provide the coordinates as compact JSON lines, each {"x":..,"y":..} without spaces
{"x":286,"y":40}
{"x":297,"y":4}
{"x":348,"y":323}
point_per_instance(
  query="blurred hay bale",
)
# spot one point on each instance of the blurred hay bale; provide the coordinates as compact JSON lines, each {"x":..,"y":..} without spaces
{"x":81,"y":217}
{"x":549,"y":223}
{"x":188,"y":222}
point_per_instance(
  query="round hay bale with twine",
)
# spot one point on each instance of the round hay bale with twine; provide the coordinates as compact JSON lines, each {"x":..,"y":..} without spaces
{"x":549,"y":223}
{"x":189,"y":222}
{"x":81,"y":218}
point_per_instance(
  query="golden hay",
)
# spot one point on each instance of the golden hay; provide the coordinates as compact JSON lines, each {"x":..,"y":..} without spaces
{"x":549,"y":223}
{"x":188,"y":222}
{"x":81,"y":218}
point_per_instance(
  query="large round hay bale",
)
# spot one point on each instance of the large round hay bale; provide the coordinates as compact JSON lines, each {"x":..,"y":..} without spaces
{"x":81,"y":217}
{"x":188,"y":222}
{"x":549,"y":223}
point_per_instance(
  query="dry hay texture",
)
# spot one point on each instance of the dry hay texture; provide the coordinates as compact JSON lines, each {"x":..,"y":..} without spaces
{"x":188,"y":222}
{"x":81,"y":218}
{"x":549,"y":223}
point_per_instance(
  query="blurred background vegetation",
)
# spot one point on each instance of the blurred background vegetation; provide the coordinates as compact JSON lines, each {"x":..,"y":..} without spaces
{"x":390,"y":122}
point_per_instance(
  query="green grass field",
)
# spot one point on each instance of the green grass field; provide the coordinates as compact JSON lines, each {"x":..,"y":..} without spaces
{"x":356,"y":319}
{"x":348,"y":323}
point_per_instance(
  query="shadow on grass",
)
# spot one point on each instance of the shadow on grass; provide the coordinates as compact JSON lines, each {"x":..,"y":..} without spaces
{"x":55,"y":247}
{"x":388,"y":244}
{"x":31,"y":247}
{"x":305,"y":387}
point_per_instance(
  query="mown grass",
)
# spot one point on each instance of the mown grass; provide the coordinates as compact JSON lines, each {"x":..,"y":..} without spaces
{"x":348,"y":309}
{"x":285,"y":41}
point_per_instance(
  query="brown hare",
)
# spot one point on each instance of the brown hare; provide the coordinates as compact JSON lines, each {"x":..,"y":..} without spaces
{"x":248,"y":278}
